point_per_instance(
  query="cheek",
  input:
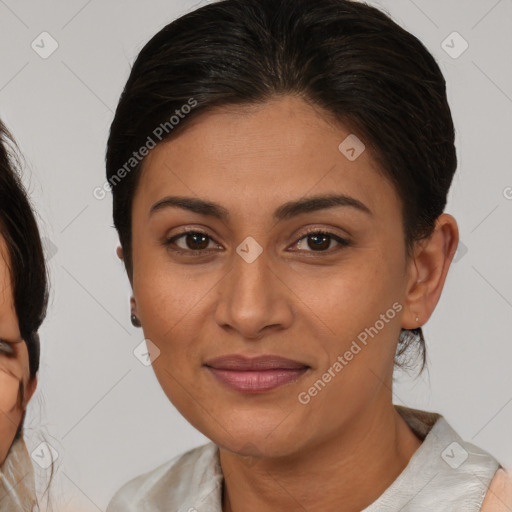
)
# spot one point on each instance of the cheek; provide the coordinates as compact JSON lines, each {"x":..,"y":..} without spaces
{"x":359,"y":306}
{"x":173,"y":308}
{"x":351,"y":297}
{"x":167,"y":300}
{"x":9,"y":386}
{"x":10,"y":413}
{"x":170,"y":296}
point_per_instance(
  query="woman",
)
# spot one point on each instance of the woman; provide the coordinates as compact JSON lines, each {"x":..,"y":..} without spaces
{"x":279,"y":173}
{"x":23,"y":300}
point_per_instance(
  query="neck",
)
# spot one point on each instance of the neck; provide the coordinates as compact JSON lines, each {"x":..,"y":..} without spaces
{"x":353,"y":469}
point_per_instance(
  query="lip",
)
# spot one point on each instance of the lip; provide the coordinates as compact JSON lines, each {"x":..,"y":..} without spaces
{"x":256,"y":374}
{"x":264,"y":362}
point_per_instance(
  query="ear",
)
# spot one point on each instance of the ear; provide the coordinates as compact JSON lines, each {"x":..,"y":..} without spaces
{"x":30,"y":390}
{"x":427,"y":271}
{"x":119,"y":252}
{"x":133,"y":305}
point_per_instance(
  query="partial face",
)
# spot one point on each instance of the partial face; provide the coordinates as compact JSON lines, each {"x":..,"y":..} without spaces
{"x":271,"y":273}
{"x":16,"y":387}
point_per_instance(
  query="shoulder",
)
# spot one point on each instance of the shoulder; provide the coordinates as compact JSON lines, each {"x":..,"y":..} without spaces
{"x":456,"y":473}
{"x":172,"y":484}
{"x":499,"y":495}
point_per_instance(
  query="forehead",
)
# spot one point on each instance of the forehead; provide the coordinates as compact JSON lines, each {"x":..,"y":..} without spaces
{"x":262,"y":152}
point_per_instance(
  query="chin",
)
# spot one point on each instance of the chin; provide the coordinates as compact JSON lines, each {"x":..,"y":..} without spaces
{"x":249,"y":439}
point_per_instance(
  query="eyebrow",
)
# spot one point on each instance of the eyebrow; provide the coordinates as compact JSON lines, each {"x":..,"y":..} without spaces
{"x":286,"y":211}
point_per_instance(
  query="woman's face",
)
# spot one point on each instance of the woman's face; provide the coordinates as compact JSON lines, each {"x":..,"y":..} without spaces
{"x":256,"y":284}
{"x":14,"y":363}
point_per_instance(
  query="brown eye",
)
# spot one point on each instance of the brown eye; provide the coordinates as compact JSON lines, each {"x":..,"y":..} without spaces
{"x":320,"y":241}
{"x":190,"y":242}
{"x":196,"y":241}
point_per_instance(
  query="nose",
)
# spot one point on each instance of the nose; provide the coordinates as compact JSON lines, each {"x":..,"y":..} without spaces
{"x":253,"y":298}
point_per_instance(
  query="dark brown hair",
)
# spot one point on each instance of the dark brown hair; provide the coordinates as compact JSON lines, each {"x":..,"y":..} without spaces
{"x":26,"y":259}
{"x":354,"y":61}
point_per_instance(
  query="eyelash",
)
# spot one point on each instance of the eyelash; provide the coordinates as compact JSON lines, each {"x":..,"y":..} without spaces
{"x":200,"y":252}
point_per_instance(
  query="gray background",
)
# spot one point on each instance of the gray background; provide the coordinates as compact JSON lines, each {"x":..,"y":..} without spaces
{"x":101,"y":410}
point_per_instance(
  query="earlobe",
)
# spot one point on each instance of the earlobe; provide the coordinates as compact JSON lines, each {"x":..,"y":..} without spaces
{"x":119,"y":252}
{"x":133,"y":317}
{"x":428,"y":270}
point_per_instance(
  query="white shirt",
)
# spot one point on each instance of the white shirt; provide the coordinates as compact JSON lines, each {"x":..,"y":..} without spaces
{"x":17,"y":486}
{"x":445,"y":473}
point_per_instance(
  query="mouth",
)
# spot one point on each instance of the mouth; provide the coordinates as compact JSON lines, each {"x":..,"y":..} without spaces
{"x":255,"y":375}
